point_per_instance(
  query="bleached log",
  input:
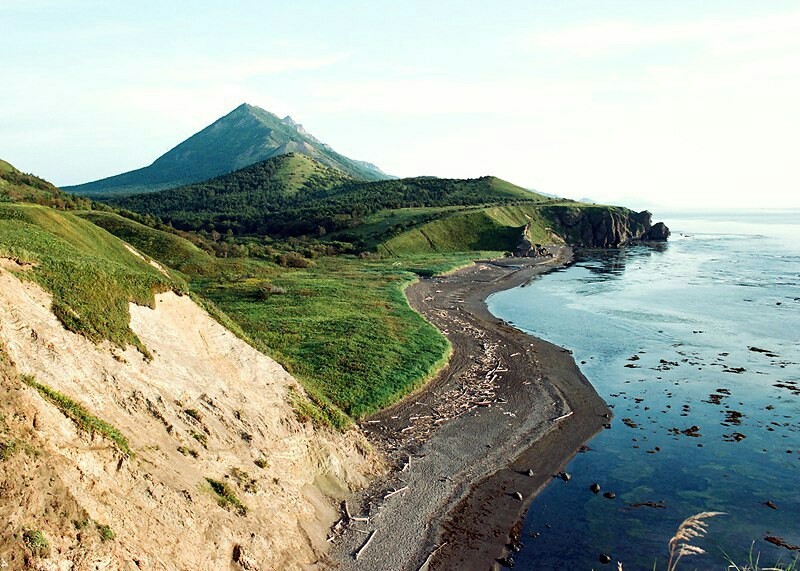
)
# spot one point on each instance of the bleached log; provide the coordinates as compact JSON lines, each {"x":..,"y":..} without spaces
{"x":427,"y":561}
{"x":366,"y":544}
{"x":390,"y":494}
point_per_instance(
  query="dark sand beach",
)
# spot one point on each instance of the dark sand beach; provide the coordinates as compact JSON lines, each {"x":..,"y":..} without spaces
{"x":461,"y":449}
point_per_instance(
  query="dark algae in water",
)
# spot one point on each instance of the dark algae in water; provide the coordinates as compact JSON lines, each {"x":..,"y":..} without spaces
{"x":688,"y":345}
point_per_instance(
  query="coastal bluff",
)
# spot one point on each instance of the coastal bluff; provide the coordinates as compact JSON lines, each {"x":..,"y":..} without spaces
{"x":608,"y":227}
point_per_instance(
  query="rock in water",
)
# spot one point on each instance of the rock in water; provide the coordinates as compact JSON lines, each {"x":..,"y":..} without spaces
{"x":594,"y":487}
{"x":658,"y":232}
{"x":604,"y":558}
{"x":610,"y":495}
{"x":507,"y":561}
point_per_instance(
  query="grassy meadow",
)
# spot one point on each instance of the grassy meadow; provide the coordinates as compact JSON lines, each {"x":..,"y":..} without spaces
{"x":343,"y":327}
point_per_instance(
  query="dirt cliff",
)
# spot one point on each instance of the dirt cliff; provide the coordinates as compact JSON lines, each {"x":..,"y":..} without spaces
{"x":224,"y":473}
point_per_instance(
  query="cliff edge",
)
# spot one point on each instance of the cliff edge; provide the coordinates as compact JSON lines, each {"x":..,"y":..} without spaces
{"x":218,"y":469}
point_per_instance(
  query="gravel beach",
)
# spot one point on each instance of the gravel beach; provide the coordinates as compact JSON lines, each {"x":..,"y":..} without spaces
{"x":463,"y":449}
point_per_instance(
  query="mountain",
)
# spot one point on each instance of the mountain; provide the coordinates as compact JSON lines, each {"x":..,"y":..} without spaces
{"x":293,"y":194}
{"x":241,"y":138}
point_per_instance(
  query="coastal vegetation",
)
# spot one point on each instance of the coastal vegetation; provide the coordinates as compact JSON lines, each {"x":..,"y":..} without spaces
{"x":299,"y":259}
{"x":226,"y":497}
{"x":91,"y":274}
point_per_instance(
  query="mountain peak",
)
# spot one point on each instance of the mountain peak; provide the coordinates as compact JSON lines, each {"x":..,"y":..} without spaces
{"x":245,"y":136}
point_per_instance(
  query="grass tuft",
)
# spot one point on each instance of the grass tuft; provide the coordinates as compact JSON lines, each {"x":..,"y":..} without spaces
{"x":681,"y":543}
{"x":82,"y":418}
{"x":226,"y":497}
{"x":36,"y":541}
{"x":106,"y":533}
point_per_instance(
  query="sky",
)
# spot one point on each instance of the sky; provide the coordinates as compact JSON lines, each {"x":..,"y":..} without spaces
{"x":667,"y":104}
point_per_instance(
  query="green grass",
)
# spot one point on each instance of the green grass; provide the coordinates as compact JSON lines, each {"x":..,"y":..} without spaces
{"x":36,"y":541}
{"x":226,"y":497}
{"x":494,"y":228}
{"x":169,"y":249}
{"x":105,"y":532}
{"x":343,"y":328}
{"x":89,"y":272}
{"x":461,"y":232}
{"x":83,"y":419}
{"x":8,"y":449}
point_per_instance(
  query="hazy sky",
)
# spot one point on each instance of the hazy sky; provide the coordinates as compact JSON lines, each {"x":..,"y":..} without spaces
{"x":650,"y":104}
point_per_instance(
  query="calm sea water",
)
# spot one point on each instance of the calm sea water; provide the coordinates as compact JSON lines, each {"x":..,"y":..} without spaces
{"x":696,"y":346}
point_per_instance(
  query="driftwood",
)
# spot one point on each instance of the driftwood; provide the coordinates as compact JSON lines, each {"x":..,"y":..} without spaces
{"x":427,"y":561}
{"x":351,"y":517}
{"x":563,"y":416}
{"x":366,"y":543}
{"x":397,"y":491}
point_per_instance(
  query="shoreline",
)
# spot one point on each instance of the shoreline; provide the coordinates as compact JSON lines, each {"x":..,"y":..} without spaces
{"x":460,"y":448}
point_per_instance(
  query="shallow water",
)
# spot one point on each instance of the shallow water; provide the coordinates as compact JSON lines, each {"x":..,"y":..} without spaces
{"x":665,"y":335}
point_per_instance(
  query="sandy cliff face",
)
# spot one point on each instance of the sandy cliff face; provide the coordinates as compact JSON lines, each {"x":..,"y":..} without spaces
{"x":205,"y":393}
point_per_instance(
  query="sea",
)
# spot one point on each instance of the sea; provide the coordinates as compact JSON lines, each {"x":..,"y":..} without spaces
{"x":695,"y":345}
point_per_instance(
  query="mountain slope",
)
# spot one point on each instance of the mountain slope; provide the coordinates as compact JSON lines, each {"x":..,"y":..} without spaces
{"x":241,"y":138}
{"x":293,"y":195}
{"x":16,"y":186}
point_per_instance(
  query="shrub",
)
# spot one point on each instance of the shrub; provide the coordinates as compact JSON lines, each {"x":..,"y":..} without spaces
{"x":106,"y":533}
{"x":265,"y":290}
{"x":8,"y":449}
{"x":186,"y":451}
{"x":294,"y":260}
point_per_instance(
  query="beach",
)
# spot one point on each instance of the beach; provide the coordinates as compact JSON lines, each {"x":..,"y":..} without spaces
{"x":472,"y":448}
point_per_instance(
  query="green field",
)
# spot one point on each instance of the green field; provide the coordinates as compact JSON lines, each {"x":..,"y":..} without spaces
{"x":497,"y":229}
{"x":343,"y":327}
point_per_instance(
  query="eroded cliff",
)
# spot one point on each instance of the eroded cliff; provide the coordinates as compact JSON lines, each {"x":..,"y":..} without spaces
{"x":223,"y":473}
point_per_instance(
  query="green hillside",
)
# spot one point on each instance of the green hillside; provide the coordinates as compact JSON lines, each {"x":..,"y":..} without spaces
{"x":486,"y":229}
{"x":241,"y":138}
{"x":169,"y":249}
{"x":294,"y":195}
{"x":90,"y":273}
{"x":500,"y":228}
{"x":16,"y":186}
